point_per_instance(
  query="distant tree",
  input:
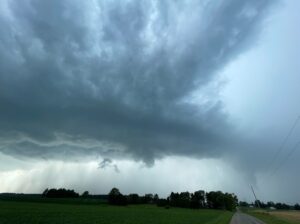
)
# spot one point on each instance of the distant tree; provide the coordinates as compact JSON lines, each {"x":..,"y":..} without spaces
{"x":215,"y":200}
{"x":148,"y":198}
{"x":263,"y":205}
{"x":297,"y":206}
{"x":243,"y":204}
{"x":174,"y":199}
{"x":85,"y":194}
{"x":230,"y":201}
{"x":198,"y":199}
{"x":184,"y":199}
{"x":116,"y":198}
{"x":113,"y":196}
{"x":270,"y":204}
{"x":60,"y":193}
{"x":283,"y":206}
{"x":114,"y":192}
{"x":219,"y":200}
{"x":133,"y":199}
{"x":155,"y":198}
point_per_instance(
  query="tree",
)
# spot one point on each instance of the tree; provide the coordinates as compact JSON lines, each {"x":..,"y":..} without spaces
{"x":198,"y":199}
{"x":85,"y":194}
{"x":230,"y":201}
{"x":116,"y":198}
{"x":215,"y":200}
{"x":184,"y":199}
{"x":148,"y":198}
{"x":155,"y":198}
{"x":60,"y":193}
{"x":180,"y":200}
{"x":114,"y":192}
{"x":174,"y":199}
{"x":219,"y":200}
{"x":270,"y":204}
{"x":244,"y":204}
{"x":282,"y":206}
{"x":133,"y":199}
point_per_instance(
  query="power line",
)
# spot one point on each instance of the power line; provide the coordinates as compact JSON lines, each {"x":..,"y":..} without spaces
{"x":280,"y":148}
{"x":283,"y":143}
{"x":286,"y":158}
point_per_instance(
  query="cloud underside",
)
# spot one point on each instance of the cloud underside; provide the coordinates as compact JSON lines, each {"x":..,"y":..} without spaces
{"x":118,"y":79}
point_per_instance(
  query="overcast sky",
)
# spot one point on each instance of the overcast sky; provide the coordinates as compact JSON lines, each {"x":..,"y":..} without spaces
{"x":152,"y":96}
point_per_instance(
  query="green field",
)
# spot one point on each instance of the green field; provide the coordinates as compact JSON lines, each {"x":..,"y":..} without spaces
{"x":33,"y":213}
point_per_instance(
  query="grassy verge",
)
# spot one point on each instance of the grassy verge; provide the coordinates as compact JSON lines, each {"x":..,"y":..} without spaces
{"x":26,"y":212}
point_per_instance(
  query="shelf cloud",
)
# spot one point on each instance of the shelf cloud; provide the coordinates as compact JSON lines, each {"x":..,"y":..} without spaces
{"x":118,"y":79}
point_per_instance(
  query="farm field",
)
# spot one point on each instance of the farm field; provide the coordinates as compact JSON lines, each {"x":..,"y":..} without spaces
{"x":33,"y":213}
{"x":278,"y":217}
{"x":288,"y":215}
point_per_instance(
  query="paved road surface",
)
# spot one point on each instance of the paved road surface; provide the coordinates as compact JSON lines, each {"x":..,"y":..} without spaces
{"x":242,"y":218}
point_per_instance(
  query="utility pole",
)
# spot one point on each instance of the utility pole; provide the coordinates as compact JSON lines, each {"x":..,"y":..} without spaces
{"x":255,"y":196}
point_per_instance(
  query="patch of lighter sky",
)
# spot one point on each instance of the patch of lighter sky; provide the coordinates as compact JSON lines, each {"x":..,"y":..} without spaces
{"x":168,"y":174}
{"x":262,"y":97}
{"x":262,"y":91}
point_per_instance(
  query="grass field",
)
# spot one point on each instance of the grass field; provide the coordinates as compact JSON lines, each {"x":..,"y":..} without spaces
{"x":278,"y":217}
{"x":44,"y":213}
{"x":293,"y":216}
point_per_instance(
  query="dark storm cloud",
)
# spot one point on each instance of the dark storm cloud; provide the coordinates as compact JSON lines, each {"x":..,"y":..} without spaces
{"x":116,"y":78}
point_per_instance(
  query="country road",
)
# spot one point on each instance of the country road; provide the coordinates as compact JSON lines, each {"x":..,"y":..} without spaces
{"x":242,"y":218}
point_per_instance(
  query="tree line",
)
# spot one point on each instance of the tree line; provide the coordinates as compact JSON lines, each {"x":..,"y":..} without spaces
{"x":270,"y":204}
{"x":115,"y":197}
{"x":198,"y":199}
{"x":60,"y":193}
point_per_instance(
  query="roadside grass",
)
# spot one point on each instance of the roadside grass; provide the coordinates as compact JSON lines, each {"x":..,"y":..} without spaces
{"x":34,"y":213}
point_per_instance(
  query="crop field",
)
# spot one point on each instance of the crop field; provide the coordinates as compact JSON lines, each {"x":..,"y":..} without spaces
{"x":43,"y":213}
{"x":278,"y":217}
{"x":288,"y":215}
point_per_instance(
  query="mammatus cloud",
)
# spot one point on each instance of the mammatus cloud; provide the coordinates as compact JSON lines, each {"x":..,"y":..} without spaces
{"x":80,"y":79}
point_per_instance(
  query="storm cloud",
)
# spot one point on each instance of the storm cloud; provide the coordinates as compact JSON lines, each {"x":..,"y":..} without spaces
{"x":118,"y":78}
